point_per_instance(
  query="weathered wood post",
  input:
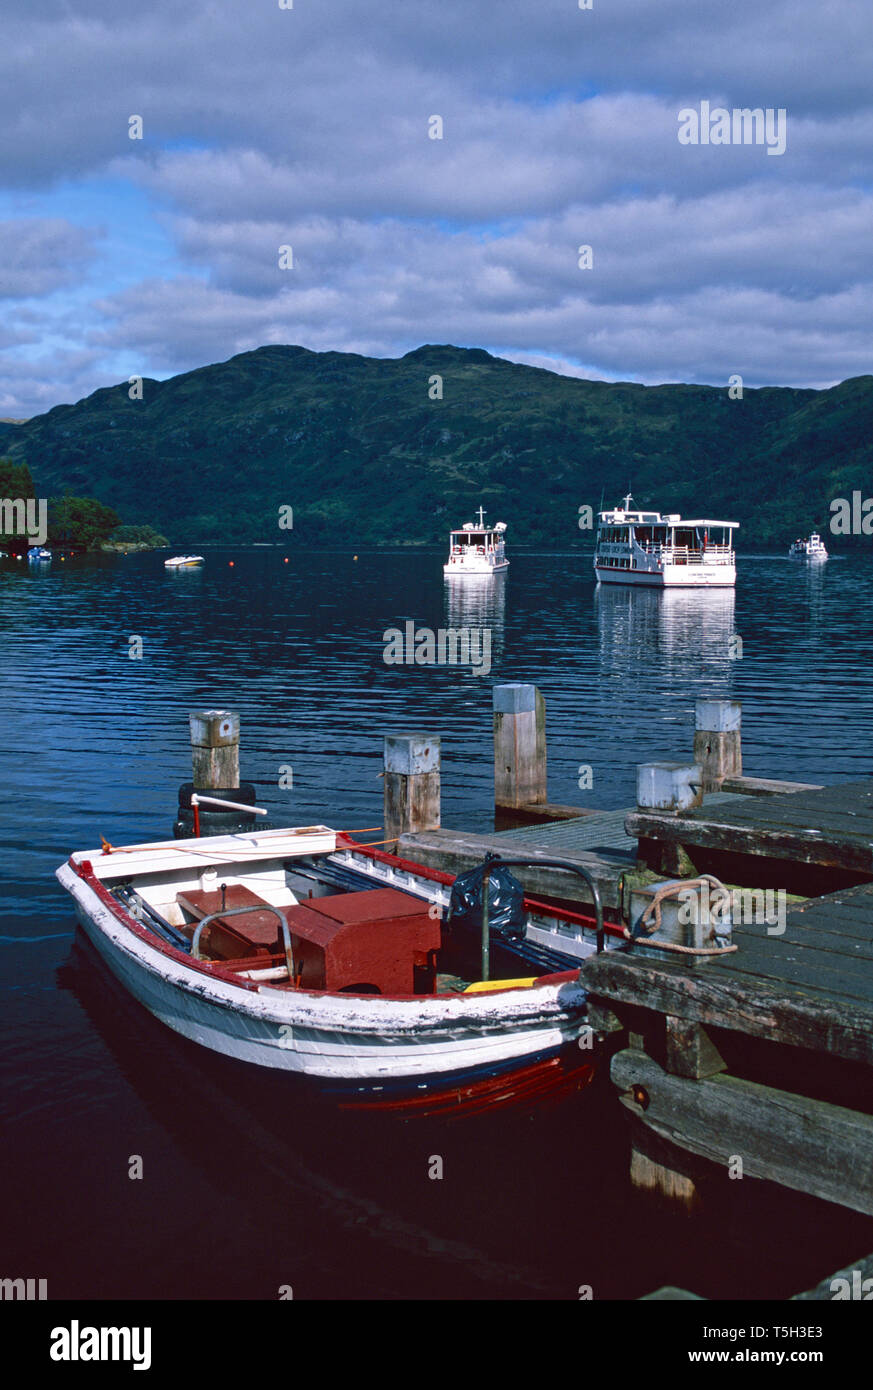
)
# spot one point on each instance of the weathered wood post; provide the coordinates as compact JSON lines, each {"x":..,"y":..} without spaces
{"x":718,"y":741}
{"x":214,"y":749}
{"x":519,"y":747}
{"x":412,"y":784}
{"x":670,"y":787}
{"x":215,"y":770}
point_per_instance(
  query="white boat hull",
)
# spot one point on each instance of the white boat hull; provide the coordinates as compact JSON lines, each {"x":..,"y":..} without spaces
{"x":672,"y":577}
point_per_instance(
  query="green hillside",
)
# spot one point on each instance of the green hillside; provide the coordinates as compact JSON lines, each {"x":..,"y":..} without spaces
{"x":359,"y":450}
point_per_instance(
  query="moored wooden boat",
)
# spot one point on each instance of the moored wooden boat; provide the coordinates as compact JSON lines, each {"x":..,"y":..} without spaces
{"x":303,"y":951}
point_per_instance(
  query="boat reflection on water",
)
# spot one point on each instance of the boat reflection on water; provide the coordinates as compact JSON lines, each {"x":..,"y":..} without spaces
{"x":640,"y":626}
{"x":478,"y":601}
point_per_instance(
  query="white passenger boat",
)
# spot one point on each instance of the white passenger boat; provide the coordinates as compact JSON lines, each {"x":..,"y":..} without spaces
{"x":303,"y":951}
{"x":646,"y":548}
{"x":812,"y":549}
{"x":181,"y":562}
{"x":477,"y":548}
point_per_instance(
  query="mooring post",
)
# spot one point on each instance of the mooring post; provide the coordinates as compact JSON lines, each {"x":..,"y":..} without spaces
{"x":215,"y":769}
{"x":718,"y":741}
{"x":214,"y":749}
{"x":671,"y":788}
{"x":412,"y":784}
{"x":519,"y":746}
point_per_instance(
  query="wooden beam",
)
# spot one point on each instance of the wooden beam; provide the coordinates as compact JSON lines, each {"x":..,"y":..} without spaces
{"x":742,"y":1003}
{"x":807,"y":1145}
{"x":765,"y":786}
{"x":455,"y":851}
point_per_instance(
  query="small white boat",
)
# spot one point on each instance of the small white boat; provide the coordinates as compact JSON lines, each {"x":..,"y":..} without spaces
{"x":646,"y":548}
{"x":477,"y":548}
{"x":180,"y":562}
{"x":812,"y":549}
{"x":37,"y":554}
{"x":305,"y":952}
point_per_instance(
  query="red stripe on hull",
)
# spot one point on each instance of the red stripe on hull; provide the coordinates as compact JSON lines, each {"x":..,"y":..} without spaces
{"x":546,"y":1081}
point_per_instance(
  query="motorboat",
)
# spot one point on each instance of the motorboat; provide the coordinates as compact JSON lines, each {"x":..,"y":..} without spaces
{"x":477,"y":548}
{"x":811,"y":549}
{"x":181,"y":562}
{"x":305,"y":951}
{"x":645,"y":548}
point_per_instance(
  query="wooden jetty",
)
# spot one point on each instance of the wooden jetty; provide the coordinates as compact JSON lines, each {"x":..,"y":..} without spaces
{"x":757,"y":1059}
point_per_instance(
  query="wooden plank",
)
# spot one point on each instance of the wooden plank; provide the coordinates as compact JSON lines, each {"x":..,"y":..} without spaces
{"x":765,"y":786}
{"x":851,"y":853}
{"x":456,"y":851}
{"x":740,"y":1003}
{"x":808,"y":1145}
{"x":837,"y":975}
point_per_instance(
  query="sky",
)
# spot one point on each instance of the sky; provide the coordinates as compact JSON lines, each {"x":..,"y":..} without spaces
{"x":312,"y":127}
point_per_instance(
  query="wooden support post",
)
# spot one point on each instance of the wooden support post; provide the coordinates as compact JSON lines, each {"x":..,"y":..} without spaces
{"x":690,"y":1051}
{"x":718,"y":741}
{"x":519,"y":746}
{"x":412,"y":784}
{"x":670,"y":787}
{"x":214,"y":749}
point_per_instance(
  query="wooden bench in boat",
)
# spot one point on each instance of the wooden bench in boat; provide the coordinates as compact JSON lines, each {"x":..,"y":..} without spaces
{"x":254,"y":934}
{"x":379,"y":940}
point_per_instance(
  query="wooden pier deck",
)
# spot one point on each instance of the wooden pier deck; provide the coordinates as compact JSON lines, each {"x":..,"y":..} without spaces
{"x":811,"y":836}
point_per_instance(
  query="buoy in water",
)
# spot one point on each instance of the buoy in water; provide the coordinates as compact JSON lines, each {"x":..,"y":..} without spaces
{"x":230,"y":562}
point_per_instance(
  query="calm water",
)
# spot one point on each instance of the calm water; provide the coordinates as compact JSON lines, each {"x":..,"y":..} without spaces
{"x":243,"y":1192}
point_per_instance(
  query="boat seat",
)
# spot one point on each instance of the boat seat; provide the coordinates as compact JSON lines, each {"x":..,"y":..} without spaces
{"x":254,"y":933}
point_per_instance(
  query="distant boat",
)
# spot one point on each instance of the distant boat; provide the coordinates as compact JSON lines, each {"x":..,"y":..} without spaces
{"x":660,"y":552}
{"x":812,"y":549}
{"x":37,"y":553}
{"x":179,"y":562}
{"x":477,"y":548}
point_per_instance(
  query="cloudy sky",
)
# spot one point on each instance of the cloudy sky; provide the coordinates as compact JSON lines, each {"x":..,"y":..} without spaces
{"x":309,"y":127}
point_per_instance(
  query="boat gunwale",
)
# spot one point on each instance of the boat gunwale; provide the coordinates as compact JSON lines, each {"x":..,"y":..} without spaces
{"x":217,"y":971}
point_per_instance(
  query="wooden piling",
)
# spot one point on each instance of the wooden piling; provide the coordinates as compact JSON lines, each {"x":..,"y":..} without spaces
{"x":214,"y":749}
{"x":412,"y":784}
{"x":519,"y":747}
{"x":718,"y":741}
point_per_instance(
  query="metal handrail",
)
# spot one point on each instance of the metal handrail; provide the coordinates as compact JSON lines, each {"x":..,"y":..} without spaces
{"x":532,"y":863}
{"x":238,"y":912}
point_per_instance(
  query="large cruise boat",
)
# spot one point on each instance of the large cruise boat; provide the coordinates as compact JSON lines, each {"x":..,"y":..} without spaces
{"x":477,"y":548}
{"x":637,"y":547}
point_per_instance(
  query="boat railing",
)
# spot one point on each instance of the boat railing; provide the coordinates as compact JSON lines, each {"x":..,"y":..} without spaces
{"x":686,"y":555}
{"x":532,"y":862}
{"x":239,"y":912}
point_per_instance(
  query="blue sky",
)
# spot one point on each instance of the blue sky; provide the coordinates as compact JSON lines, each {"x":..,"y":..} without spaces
{"x":265,"y":127}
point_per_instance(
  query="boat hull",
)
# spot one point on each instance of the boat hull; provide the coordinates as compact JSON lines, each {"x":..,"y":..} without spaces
{"x":672,"y":577}
{"x":411,"y":1055}
{"x":467,"y":568}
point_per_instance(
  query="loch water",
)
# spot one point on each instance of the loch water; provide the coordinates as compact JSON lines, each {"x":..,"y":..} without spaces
{"x":246,"y":1188}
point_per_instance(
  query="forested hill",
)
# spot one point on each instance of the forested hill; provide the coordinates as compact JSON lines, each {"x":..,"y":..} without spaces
{"x":362,"y":450}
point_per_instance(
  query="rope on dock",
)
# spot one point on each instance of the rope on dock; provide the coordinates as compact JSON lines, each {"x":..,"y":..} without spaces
{"x":672,"y":890}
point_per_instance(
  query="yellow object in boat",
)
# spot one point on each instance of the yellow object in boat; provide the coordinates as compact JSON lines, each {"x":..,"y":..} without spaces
{"x":483,"y":986}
